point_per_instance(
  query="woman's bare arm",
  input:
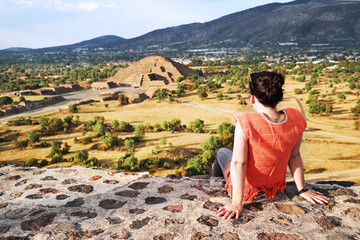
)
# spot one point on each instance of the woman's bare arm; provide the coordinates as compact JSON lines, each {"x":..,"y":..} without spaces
{"x":297,"y":171}
{"x":238,"y":173}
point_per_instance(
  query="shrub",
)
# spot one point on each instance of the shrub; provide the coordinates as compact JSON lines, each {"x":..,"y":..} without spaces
{"x":197,"y":125}
{"x":22,"y":121}
{"x":58,"y":157}
{"x":357,"y":124}
{"x":73,"y":108}
{"x":81,"y":156}
{"x":68,"y":120}
{"x":226,"y":131}
{"x":5,"y":100}
{"x":55,"y":147}
{"x":230,"y":90}
{"x":307,"y":86}
{"x":43,"y":144}
{"x":177,"y":160}
{"x":180,"y":89}
{"x":202,"y":94}
{"x":93,"y":161}
{"x":318,"y":108}
{"x":180,"y":79}
{"x":31,"y":162}
{"x":33,"y":137}
{"x":115,"y":124}
{"x":166,"y":165}
{"x":123,"y":100}
{"x":220,"y":96}
{"x":100,"y":128}
{"x":125,"y":127}
{"x":341,"y":96}
{"x":301,"y":78}
{"x":297,"y":91}
{"x":130,"y":163}
{"x":171,"y":99}
{"x":160,"y":94}
{"x":110,"y":141}
{"x":352,"y":86}
{"x":139,"y":132}
{"x":65,"y":149}
{"x":162,"y":141}
{"x":21,"y":144}
{"x":210,"y":148}
{"x":22,"y":99}
{"x":43,"y":163}
{"x":129,"y":143}
{"x":86,"y":140}
{"x":196,"y":167}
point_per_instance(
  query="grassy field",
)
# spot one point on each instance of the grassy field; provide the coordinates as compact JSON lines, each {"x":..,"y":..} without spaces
{"x":330,"y":143}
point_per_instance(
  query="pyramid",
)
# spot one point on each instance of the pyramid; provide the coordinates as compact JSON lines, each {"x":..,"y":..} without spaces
{"x":152,"y":71}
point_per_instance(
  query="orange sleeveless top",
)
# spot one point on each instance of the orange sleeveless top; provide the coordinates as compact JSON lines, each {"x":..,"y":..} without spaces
{"x":270,"y":146}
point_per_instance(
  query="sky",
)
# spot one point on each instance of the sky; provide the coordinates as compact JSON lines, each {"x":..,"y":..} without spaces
{"x":47,"y":23}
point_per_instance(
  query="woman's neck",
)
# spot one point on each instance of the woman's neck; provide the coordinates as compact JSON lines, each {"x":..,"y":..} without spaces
{"x":271,"y":113}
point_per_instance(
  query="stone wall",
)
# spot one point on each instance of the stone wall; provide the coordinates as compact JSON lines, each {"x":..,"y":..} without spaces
{"x":30,"y":105}
{"x":90,"y":203}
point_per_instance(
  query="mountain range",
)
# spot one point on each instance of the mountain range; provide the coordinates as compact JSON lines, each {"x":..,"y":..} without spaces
{"x":301,"y":22}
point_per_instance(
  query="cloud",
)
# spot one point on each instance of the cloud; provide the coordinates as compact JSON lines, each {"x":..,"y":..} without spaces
{"x":81,"y":6}
{"x":89,"y":6}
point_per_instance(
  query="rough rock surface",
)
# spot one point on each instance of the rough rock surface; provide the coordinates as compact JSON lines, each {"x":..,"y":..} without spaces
{"x":67,"y":203}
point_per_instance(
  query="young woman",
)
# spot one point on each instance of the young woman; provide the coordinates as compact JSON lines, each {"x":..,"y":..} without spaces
{"x":265,"y":143}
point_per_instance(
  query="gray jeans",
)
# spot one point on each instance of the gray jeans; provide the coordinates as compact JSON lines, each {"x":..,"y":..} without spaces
{"x":222,"y":160}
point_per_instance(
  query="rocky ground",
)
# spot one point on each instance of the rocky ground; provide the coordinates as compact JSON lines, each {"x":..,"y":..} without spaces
{"x":88,"y":203}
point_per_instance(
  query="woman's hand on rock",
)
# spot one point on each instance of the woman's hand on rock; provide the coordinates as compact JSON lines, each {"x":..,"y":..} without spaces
{"x":314,"y":197}
{"x":230,"y":210}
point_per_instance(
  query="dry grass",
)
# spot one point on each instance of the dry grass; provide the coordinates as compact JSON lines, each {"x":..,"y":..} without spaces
{"x":332,"y":145}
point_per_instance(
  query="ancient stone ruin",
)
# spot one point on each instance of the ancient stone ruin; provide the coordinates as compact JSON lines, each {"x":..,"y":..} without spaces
{"x":153,"y":71}
{"x":90,"y":203}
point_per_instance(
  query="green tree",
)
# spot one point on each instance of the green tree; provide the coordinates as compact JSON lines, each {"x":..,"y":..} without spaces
{"x":5,"y":100}
{"x":202,"y":94}
{"x":33,"y":137}
{"x":55,"y":147}
{"x":129,"y":143}
{"x":196,"y":167}
{"x":226,"y":131}
{"x":115,"y":124}
{"x":21,"y":144}
{"x":197,"y":125}
{"x":139,"y":132}
{"x":100,"y":128}
{"x":81,"y":156}
{"x":130,"y":163}
{"x":110,"y":141}
{"x":210,"y":148}
{"x":73,"y":108}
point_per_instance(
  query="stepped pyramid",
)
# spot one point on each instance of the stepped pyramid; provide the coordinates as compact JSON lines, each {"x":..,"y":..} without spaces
{"x":153,"y":71}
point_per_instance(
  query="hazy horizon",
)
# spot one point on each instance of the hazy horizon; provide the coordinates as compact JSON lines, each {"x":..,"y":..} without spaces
{"x":48,"y":23}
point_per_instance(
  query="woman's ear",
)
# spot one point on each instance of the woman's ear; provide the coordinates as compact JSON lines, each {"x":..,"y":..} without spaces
{"x":252,"y":99}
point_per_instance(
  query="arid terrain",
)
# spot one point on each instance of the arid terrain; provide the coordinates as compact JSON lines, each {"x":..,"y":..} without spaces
{"x":330,"y":146}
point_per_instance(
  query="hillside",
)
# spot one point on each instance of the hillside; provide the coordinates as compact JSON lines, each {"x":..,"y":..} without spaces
{"x":301,"y":22}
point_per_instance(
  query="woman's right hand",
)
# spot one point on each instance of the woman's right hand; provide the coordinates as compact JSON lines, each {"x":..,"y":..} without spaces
{"x":314,"y":197}
{"x":230,"y":210}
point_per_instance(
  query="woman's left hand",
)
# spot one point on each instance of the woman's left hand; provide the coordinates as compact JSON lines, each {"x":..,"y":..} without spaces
{"x":314,"y":197}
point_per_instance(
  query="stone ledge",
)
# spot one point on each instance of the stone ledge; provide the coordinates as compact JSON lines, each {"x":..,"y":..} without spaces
{"x":89,"y":203}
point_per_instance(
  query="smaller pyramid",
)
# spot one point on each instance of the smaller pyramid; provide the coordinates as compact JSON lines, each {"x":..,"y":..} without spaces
{"x":153,"y":71}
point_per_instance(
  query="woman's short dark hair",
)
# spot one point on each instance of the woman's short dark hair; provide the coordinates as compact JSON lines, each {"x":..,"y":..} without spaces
{"x":267,"y":87}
